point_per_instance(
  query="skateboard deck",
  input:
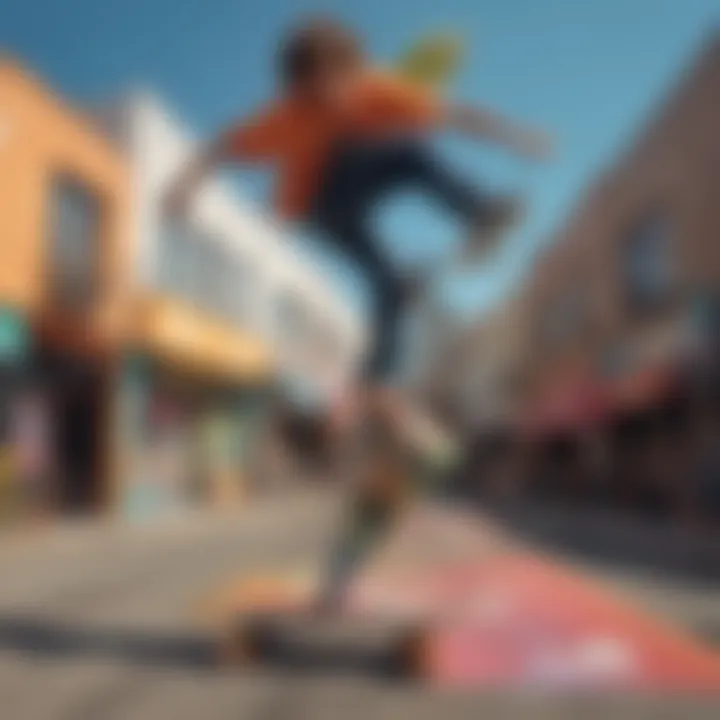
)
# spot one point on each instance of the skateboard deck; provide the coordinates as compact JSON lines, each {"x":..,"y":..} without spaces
{"x":271,"y":620}
{"x":302,"y":641}
{"x":270,"y":624}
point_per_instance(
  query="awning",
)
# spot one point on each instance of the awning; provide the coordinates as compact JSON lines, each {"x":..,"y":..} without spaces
{"x":567,"y":410}
{"x":574,"y":408}
{"x":178,"y":333}
{"x":644,"y":388}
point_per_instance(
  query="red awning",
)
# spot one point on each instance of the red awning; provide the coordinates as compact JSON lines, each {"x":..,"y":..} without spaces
{"x":644,"y":388}
{"x":567,"y":409}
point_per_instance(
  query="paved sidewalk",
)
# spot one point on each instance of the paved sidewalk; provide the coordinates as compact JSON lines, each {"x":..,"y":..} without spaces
{"x":105,"y":596}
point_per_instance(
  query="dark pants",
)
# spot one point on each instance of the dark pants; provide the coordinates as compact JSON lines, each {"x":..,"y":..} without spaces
{"x":358,"y":176}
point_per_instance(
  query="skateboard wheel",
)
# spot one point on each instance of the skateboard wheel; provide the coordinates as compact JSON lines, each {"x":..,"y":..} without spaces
{"x":410,"y":660}
{"x":245,"y":641}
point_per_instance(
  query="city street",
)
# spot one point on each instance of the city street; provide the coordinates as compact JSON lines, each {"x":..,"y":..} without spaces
{"x":133,"y":585}
{"x":103,"y":622}
{"x":459,"y":260}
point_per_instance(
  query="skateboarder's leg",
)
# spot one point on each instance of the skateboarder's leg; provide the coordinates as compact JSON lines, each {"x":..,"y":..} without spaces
{"x":350,"y":231}
{"x":363,"y":530}
{"x":358,"y":178}
{"x":411,"y":161}
{"x":379,"y":167}
{"x":364,"y":172}
{"x":389,"y":293}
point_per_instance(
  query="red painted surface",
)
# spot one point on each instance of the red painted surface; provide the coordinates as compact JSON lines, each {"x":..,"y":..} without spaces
{"x":521,"y":621}
{"x":509,"y":618}
{"x":524,"y":621}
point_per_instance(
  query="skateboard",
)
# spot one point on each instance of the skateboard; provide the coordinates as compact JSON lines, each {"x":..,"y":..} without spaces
{"x":303,"y":641}
{"x":273,"y":621}
{"x":274,"y":626}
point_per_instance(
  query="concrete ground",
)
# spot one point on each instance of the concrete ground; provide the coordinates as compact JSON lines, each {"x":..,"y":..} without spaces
{"x":101,"y":623}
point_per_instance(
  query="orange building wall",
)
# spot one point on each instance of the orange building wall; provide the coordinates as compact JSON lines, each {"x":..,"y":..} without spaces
{"x":40,"y":136}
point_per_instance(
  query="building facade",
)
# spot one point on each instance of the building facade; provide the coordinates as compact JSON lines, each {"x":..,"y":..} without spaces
{"x":623,"y":292}
{"x":224,"y":309}
{"x":632,"y":279}
{"x":137,"y":358}
{"x":474,"y":375}
{"x":65,"y":197}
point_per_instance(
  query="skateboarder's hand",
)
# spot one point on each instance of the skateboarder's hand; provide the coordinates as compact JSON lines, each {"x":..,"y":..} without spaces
{"x":181,"y":191}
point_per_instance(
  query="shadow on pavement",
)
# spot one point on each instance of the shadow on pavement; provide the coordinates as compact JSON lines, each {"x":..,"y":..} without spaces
{"x":37,"y":636}
{"x":54,"y":640}
{"x":626,"y":542}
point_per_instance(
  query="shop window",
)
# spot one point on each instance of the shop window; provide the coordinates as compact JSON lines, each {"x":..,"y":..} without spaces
{"x":648,"y":263}
{"x":74,"y":243}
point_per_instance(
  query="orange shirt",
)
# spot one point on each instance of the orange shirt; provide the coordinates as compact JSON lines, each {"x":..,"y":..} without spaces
{"x":297,"y":138}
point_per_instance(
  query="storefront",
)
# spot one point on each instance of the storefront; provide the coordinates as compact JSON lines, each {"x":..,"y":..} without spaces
{"x":190,"y":400}
{"x":66,"y":195}
{"x":14,"y":347}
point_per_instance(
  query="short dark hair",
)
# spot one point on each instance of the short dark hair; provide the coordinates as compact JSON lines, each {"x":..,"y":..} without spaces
{"x":313,"y":44}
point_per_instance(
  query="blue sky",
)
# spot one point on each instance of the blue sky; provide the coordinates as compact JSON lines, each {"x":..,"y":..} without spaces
{"x":589,"y":71}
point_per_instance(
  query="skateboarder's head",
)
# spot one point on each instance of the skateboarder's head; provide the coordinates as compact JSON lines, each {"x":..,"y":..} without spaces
{"x":318,"y":61}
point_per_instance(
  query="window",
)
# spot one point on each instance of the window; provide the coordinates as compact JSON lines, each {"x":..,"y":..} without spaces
{"x":74,"y":243}
{"x":648,"y":268}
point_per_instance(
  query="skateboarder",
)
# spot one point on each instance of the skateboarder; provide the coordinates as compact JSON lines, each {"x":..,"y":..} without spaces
{"x":342,"y":136}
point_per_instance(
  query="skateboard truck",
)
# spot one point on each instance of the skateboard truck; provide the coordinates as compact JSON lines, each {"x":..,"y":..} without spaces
{"x":333,"y":644}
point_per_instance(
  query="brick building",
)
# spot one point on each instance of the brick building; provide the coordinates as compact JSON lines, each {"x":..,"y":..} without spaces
{"x":618,"y":292}
{"x":482,"y":368}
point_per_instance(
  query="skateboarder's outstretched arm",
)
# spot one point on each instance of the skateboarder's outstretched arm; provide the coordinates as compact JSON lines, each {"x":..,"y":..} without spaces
{"x":484,"y":124}
{"x":212,"y":155}
{"x":258,"y":138}
{"x":253,"y":140}
{"x":183,"y":188}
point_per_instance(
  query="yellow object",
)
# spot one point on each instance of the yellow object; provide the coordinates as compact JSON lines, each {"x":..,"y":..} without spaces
{"x":433,"y":60}
{"x":273,"y":590}
{"x":180,"y":334}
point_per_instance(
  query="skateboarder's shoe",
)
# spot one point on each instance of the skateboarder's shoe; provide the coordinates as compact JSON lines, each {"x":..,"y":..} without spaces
{"x":414,"y":286}
{"x":416,"y":428}
{"x":370,"y":646}
{"x":497,"y":218}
